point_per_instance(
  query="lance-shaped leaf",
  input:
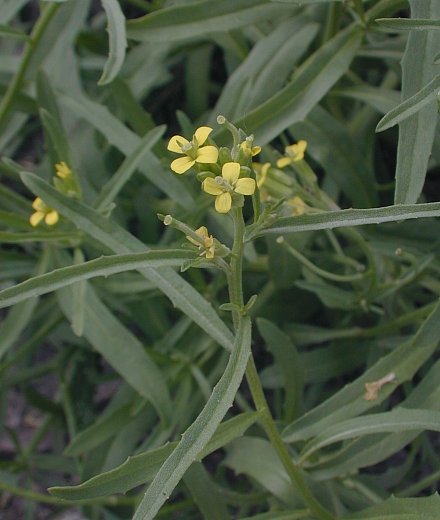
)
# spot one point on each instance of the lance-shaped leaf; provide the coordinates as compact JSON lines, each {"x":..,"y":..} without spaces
{"x":103,"y":266}
{"x":396,"y":421}
{"x":312,"y":80}
{"x":201,"y":430}
{"x":424,"y":508}
{"x":408,"y":24}
{"x":416,"y":133}
{"x":410,"y":106}
{"x":141,"y":468}
{"x":202,"y":18}
{"x":352,"y":217}
{"x":117,"y":41}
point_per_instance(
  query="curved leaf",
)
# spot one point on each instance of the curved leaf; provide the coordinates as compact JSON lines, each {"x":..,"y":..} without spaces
{"x":117,"y":41}
{"x":104,"y":266}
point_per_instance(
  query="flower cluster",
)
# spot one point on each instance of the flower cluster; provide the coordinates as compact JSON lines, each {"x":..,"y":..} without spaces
{"x":65,"y":183}
{"x":225,"y":173}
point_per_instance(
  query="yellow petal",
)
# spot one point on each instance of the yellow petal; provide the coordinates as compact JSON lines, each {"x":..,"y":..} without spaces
{"x":38,"y":204}
{"x":207,"y":155}
{"x":283,"y":162}
{"x":182,"y":164}
{"x":245,"y":186}
{"x":202,"y":134}
{"x":202,"y":232}
{"x":230,"y":172}
{"x":176,"y":142}
{"x":302,"y":146}
{"x":36,"y":218}
{"x":62,"y":170}
{"x":223,"y":202}
{"x":51,"y":218}
{"x":210,"y":253}
{"x":210,"y":186}
{"x":256,"y":150}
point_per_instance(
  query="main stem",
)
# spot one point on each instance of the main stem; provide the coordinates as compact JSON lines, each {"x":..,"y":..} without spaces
{"x":236,"y":297}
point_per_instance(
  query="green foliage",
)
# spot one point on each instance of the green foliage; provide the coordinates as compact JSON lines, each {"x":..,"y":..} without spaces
{"x":256,"y":336}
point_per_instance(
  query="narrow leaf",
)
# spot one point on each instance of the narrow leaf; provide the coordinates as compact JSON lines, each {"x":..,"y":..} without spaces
{"x":201,"y":430}
{"x":103,"y":266}
{"x":353,"y":217}
{"x":396,"y":421}
{"x":416,"y":133}
{"x":201,"y":18}
{"x":117,"y":41}
{"x":410,"y":106}
{"x":408,"y":24}
{"x":141,"y":468}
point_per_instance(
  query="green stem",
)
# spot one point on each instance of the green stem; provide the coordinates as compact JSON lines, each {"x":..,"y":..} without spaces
{"x":34,"y":39}
{"x":268,"y":423}
{"x":317,"y":270}
{"x":278,"y":444}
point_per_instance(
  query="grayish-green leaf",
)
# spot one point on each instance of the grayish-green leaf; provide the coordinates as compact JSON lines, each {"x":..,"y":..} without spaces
{"x":408,"y":24}
{"x":201,"y":430}
{"x":411,"y":105}
{"x":141,"y":468}
{"x":103,"y":266}
{"x":117,"y":41}
{"x":416,"y":133}
{"x":311,"y":81}
{"x":202,"y":18}
{"x":353,"y":217}
{"x":396,"y":421}
{"x":423,"y":508}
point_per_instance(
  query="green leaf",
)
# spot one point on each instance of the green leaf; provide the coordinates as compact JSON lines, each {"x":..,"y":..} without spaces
{"x":350,"y":401}
{"x":416,"y":133}
{"x":117,"y":41}
{"x":201,"y":430}
{"x":127,"y":168}
{"x":122,"y":350}
{"x":141,"y":468}
{"x":120,"y":241}
{"x":105,"y":427}
{"x":287,"y":358}
{"x":206,"y":494}
{"x":353,"y":217}
{"x":201,"y":18}
{"x":408,"y":24}
{"x":396,"y":421}
{"x":311,"y":81}
{"x":424,"y":508}
{"x":103,"y":266}
{"x":410,"y":106}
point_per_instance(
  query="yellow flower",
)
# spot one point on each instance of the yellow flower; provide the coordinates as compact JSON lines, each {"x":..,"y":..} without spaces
{"x":294,"y":153}
{"x":299,"y":206}
{"x":43,"y":211}
{"x":207,"y":248}
{"x":193,"y":151}
{"x":247,"y":147}
{"x":223,"y":187}
{"x":63,"y":171}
